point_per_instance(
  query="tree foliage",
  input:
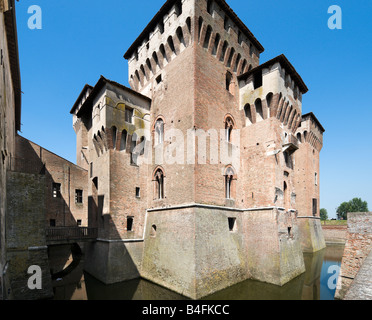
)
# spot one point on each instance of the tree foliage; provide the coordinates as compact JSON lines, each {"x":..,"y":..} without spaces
{"x":354,"y":205}
{"x":323,"y":214}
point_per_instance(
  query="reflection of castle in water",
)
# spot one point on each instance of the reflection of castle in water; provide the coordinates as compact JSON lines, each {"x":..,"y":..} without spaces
{"x":312,"y":285}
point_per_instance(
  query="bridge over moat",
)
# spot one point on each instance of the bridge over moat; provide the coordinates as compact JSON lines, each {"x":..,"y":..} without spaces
{"x":67,"y":235}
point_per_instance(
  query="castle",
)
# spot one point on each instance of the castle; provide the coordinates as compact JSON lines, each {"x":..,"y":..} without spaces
{"x":205,"y":172}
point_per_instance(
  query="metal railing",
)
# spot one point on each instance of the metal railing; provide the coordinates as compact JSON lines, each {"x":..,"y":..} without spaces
{"x":70,"y":233}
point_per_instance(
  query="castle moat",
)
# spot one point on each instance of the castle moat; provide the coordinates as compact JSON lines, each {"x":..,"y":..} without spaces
{"x":317,"y":283}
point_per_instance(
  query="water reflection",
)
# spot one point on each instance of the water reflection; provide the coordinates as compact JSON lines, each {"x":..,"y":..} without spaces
{"x":314,"y":284}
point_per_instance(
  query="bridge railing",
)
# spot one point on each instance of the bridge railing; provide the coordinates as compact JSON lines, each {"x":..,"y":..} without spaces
{"x":70,"y":233}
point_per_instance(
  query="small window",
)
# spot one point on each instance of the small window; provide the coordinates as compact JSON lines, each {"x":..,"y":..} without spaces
{"x":129,"y":223}
{"x":209,"y":7}
{"x":257,"y":79}
{"x":232,"y":224}
{"x":138,"y":192}
{"x":56,"y":190}
{"x":129,"y":115}
{"x":315,"y":207}
{"x":316,"y":179}
{"x":52,"y":222}
{"x":95,"y":182}
{"x":153,"y":231}
{"x":78,"y":196}
{"x":161,"y":27}
{"x":78,"y":222}
{"x":159,"y":184}
{"x":158,"y":79}
{"x":228,"y":81}
{"x":290,"y":235}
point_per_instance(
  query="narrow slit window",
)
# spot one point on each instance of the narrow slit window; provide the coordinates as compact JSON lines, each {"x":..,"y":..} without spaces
{"x":232,"y":224}
{"x":129,"y":223}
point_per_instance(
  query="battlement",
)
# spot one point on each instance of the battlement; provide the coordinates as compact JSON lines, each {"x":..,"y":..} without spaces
{"x":178,"y":24}
{"x":311,"y":131}
{"x":273,"y":89}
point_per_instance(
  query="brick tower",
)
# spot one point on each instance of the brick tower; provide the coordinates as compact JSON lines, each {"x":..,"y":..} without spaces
{"x":211,"y":198}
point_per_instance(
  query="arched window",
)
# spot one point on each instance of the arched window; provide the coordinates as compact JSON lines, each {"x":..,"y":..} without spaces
{"x":248,"y":113}
{"x":244,"y":65}
{"x":133,"y":151}
{"x":229,"y":175}
{"x":159,"y":131}
{"x":207,"y":37}
{"x":228,"y":82}
{"x":171,"y":44}
{"x":232,"y":52}
{"x":114,"y":132}
{"x":188,"y":23}
{"x":269,"y":101}
{"x":299,"y":138}
{"x":159,"y":184}
{"x":163,"y":53}
{"x":237,"y":62}
{"x":155,"y":57}
{"x":143,"y":72}
{"x":305,"y":136}
{"x":123,"y":140}
{"x":216,"y":42}
{"x":200,"y":26}
{"x":229,"y":126}
{"x":180,"y":37}
{"x":224,"y":49}
{"x":259,"y":111}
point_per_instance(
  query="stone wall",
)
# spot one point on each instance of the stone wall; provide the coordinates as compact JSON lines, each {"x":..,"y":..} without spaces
{"x":358,"y":246}
{"x":26,"y":245}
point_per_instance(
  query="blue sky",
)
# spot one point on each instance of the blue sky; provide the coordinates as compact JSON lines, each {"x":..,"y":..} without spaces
{"x":80,"y":40}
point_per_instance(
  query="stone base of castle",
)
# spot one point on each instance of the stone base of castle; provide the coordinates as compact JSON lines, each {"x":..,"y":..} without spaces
{"x":196,"y":250}
{"x":311,"y":234}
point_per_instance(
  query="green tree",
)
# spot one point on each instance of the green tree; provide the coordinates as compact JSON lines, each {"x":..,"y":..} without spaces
{"x":323,"y":214}
{"x":354,"y":205}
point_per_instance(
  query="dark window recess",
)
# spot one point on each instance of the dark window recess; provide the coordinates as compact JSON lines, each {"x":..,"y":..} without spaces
{"x":78,"y":222}
{"x":257,"y":79}
{"x":228,"y":80}
{"x":158,"y":79}
{"x":52,"y":222}
{"x":153,"y":231}
{"x":315,"y":207}
{"x":138,"y":192}
{"x":56,"y":190}
{"x":128,"y":115}
{"x":288,"y":159}
{"x":95,"y":182}
{"x":129,"y":223}
{"x":232,"y":224}
{"x":78,"y":196}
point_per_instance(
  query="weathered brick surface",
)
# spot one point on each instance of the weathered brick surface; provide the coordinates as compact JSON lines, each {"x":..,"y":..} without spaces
{"x":358,"y":246}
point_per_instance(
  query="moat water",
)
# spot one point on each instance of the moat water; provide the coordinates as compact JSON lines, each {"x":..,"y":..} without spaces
{"x":317,"y":283}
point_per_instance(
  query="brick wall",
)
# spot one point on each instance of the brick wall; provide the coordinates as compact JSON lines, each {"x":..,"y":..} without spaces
{"x":358,"y":246}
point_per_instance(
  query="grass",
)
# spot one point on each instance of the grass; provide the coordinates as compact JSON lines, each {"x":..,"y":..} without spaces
{"x":335,"y":222}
